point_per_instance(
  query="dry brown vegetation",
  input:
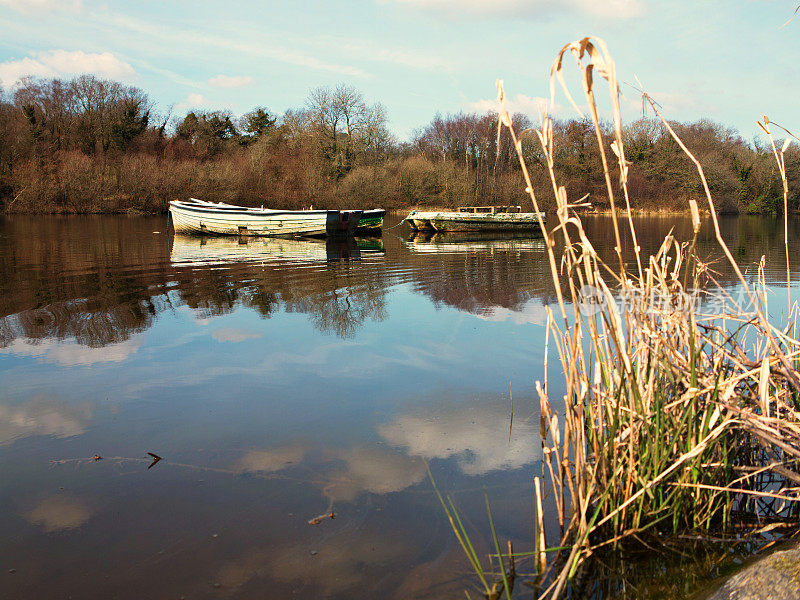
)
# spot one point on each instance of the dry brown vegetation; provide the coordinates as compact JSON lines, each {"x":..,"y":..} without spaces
{"x":681,"y":405}
{"x":91,"y":145}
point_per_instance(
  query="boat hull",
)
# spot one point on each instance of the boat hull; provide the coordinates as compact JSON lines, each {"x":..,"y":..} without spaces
{"x":205,"y":218}
{"x":473,"y":222}
{"x":421,"y":221}
{"x":342,"y":222}
{"x":371,"y":221}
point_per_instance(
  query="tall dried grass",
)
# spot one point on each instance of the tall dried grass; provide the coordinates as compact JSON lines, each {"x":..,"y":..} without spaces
{"x":675,"y":417}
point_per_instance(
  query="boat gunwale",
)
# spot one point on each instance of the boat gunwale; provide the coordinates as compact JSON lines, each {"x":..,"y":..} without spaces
{"x":265,"y":212}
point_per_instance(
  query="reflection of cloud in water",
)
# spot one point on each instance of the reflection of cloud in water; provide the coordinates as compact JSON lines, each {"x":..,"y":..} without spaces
{"x":59,"y":513}
{"x":71,"y":354}
{"x":375,"y":470}
{"x":477,"y":436}
{"x":42,"y":416}
{"x":352,"y":471}
{"x":436,"y":578}
{"x":280,"y":362}
{"x":237,"y":572}
{"x":342,"y":561}
{"x":230,"y":334}
{"x":273,"y":459}
{"x":532,"y":312}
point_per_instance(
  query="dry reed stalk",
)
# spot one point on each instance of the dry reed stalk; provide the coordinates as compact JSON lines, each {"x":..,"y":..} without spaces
{"x":541,"y":555}
{"x":663,"y":408}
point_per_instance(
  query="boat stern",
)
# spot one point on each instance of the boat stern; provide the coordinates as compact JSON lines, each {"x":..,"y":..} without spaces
{"x":342,"y":222}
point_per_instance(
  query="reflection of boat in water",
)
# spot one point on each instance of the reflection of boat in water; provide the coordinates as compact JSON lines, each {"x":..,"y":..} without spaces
{"x":199,"y":216}
{"x":370,"y":245}
{"x":476,"y":218}
{"x":466,"y":242}
{"x":193,"y":250}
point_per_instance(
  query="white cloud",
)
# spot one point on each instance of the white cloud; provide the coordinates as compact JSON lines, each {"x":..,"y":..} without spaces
{"x":374,"y":470}
{"x":671,"y":103}
{"x":623,"y":9}
{"x":248,"y":42}
{"x":272,"y":459}
{"x":345,"y":555}
{"x":530,"y":8}
{"x":532,"y":106}
{"x":476,"y":436}
{"x":42,"y":417}
{"x":70,"y":353}
{"x":237,"y":81}
{"x":378,"y":51}
{"x":533,"y":312}
{"x":195,"y":100}
{"x":37,"y":7}
{"x":56,"y":63}
{"x":59,"y":514}
{"x":192,"y":101}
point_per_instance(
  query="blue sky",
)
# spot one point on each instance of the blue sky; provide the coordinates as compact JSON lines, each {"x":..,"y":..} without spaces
{"x":726,"y":60}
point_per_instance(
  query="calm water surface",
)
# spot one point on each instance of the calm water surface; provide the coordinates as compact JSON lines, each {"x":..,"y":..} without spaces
{"x":280,"y":380}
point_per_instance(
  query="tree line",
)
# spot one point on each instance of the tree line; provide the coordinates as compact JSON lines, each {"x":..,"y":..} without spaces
{"x":94,"y":145}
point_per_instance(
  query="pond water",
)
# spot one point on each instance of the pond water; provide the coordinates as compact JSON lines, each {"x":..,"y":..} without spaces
{"x":280,"y":381}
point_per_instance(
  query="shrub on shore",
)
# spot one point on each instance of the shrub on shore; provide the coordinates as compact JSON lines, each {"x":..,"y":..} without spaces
{"x":91,"y":145}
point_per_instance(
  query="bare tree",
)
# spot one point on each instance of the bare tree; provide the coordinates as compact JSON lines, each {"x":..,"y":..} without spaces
{"x":346,"y":128}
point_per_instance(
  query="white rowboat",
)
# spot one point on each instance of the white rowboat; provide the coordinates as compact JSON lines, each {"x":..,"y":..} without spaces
{"x":199,"y":216}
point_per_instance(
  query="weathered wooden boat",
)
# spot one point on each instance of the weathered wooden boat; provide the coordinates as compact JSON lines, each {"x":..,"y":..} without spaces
{"x":476,"y":218}
{"x":199,"y":216}
{"x":371,"y":221}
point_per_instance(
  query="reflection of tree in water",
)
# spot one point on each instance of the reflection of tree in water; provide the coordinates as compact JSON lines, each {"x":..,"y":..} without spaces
{"x":748,"y":237}
{"x":264,"y":301}
{"x":343,"y":310}
{"x":78,"y":278}
{"x":337,"y":297}
{"x":99,"y":280}
{"x":480,"y":276}
{"x":211,"y":292}
{"x":93,"y":326}
{"x":476,"y":284}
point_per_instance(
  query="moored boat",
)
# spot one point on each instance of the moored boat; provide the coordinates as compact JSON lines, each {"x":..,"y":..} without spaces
{"x":199,"y":216}
{"x":476,"y":218}
{"x":420,"y":220}
{"x":371,"y":221}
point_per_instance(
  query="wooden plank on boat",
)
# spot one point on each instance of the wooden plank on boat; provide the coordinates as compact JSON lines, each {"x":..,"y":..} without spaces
{"x":447,"y":221}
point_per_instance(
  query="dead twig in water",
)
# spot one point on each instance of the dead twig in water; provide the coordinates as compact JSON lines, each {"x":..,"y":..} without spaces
{"x":156,"y":458}
{"x":319,"y":519}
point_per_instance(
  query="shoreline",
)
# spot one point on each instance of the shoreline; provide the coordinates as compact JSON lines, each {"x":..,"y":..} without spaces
{"x":656,"y":211}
